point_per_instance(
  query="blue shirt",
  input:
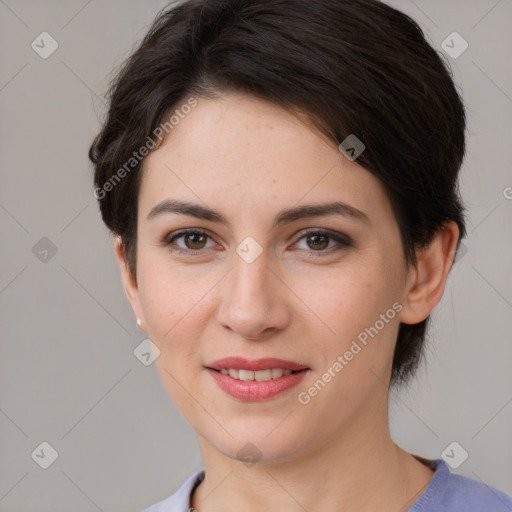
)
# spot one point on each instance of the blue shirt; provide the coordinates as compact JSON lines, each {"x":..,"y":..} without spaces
{"x":446,"y":492}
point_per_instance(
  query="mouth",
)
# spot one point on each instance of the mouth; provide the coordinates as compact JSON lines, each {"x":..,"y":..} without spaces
{"x":256,"y":380}
{"x":258,"y":375}
{"x":255,"y":365}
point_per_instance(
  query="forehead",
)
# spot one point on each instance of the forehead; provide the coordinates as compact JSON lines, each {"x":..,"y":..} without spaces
{"x":241,"y":152}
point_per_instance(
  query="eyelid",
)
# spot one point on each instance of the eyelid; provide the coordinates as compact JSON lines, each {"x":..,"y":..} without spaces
{"x":341,"y":239}
{"x":186,"y":231}
{"x":169,"y":239}
{"x":323,"y":231}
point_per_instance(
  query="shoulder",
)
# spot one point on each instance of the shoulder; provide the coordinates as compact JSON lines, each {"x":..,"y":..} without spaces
{"x":449,"y":492}
{"x":180,"y":500}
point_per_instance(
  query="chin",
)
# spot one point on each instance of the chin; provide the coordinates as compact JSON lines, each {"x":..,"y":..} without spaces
{"x":258,"y":447}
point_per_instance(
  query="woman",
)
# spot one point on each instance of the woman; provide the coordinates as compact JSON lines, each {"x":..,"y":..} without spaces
{"x":281,"y":178}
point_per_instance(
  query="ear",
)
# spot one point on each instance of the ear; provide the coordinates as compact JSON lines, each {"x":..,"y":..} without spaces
{"x":427,"y":279}
{"x":130,"y":284}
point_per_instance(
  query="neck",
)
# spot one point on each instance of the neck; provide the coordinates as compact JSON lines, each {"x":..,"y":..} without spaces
{"x":362,"y":469}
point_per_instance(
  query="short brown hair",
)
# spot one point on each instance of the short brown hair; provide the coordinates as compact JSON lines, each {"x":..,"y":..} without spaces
{"x":353,"y":66}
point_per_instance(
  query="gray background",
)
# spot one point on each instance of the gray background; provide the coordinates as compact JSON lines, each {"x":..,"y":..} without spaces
{"x":68,"y":375}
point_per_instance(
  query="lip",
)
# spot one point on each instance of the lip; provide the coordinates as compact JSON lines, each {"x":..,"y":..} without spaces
{"x":253,"y":390}
{"x":240,"y":363}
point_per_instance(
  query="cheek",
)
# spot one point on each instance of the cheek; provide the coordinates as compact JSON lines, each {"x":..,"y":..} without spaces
{"x":356,"y":360}
{"x":174,"y":313}
{"x":347,"y":300}
{"x":171,"y":302}
{"x":357,"y":307}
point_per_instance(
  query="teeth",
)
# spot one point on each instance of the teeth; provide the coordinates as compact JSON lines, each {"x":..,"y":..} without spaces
{"x":260,"y":375}
{"x":263,"y":375}
{"x":277,"y":372}
{"x":246,"y":374}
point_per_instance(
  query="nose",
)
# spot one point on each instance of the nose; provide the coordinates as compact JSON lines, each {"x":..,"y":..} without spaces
{"x":254,"y":300}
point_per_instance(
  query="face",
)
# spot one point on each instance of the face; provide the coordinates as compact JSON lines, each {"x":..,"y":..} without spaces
{"x":261,"y":274}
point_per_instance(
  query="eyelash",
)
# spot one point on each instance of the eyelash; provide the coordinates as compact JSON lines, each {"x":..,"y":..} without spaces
{"x":343,"y":241}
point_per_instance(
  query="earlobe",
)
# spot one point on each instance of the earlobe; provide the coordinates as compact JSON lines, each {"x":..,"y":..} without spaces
{"x":140,"y":325}
{"x":428,"y":278}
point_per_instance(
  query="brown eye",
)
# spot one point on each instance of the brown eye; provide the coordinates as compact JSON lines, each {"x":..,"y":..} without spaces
{"x":189,"y":241}
{"x":194,"y":241}
{"x":324,"y":242}
{"x":317,"y":241}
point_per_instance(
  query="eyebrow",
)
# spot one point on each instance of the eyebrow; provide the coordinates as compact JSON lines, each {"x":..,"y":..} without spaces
{"x":283,"y":217}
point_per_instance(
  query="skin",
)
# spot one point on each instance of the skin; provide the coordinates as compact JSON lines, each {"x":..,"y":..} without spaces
{"x":249,"y":159}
